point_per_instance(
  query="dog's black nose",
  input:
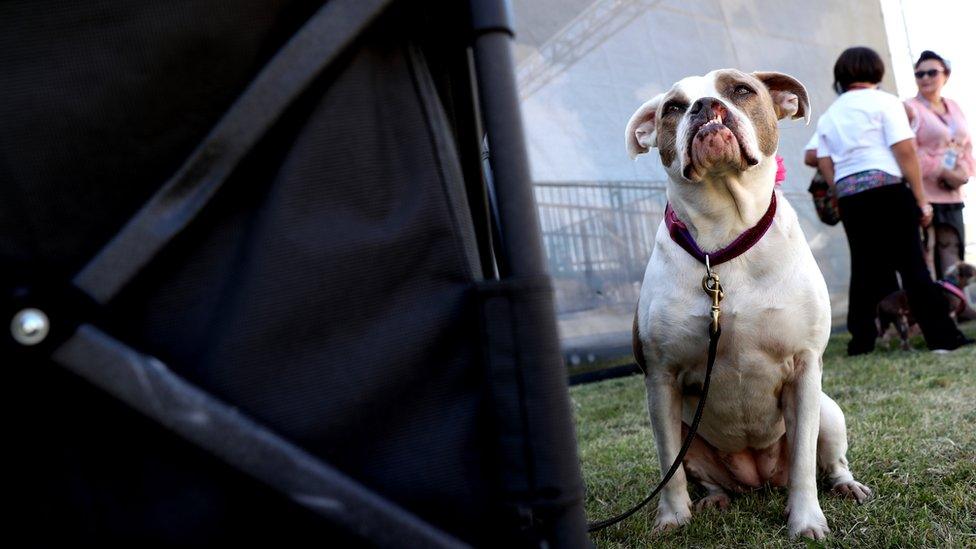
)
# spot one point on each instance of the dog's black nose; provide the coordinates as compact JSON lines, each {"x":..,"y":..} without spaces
{"x":713,"y":105}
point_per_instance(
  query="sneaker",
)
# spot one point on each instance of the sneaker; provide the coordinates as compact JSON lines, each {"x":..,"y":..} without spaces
{"x":961,"y":341}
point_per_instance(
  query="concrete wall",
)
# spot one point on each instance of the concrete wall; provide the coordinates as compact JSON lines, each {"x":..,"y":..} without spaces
{"x":584,"y":66}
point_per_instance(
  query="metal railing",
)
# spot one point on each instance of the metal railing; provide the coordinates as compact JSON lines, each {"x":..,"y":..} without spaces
{"x":598,"y":236}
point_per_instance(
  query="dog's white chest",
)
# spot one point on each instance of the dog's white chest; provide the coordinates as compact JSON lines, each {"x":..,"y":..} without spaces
{"x":772,"y":310}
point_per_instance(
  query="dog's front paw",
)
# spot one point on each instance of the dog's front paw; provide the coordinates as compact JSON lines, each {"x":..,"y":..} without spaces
{"x":807,"y":520}
{"x":671,"y":516}
{"x":852,"y":489}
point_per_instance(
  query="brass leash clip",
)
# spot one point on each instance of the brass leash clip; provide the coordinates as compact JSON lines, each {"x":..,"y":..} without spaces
{"x":713,"y":287}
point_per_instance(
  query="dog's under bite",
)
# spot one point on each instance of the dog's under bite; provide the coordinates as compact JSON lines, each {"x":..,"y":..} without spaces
{"x":766,"y":419}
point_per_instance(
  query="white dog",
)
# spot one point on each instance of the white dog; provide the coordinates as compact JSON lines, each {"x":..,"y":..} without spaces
{"x":765,"y":419}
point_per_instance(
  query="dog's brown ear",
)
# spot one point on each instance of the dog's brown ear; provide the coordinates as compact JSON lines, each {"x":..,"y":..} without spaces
{"x":789,"y":96}
{"x":641,"y":132}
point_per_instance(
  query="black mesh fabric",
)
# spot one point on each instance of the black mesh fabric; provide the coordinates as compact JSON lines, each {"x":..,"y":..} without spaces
{"x":329,"y":292}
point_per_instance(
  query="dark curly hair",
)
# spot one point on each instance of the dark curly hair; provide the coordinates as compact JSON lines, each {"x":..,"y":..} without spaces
{"x":857,"y":64}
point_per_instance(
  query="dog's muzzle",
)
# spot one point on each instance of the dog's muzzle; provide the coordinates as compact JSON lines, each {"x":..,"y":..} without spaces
{"x":714,"y":140}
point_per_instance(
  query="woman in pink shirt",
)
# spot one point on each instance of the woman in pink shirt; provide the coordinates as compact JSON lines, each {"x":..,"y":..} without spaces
{"x":945,"y":152}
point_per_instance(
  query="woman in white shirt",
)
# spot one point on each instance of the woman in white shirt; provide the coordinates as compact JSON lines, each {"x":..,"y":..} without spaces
{"x":866,"y":148}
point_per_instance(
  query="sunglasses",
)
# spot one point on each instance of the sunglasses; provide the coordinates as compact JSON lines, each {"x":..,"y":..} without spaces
{"x":930,"y":73}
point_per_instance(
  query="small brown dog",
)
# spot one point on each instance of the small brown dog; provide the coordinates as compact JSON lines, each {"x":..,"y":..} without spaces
{"x":895,"y":311}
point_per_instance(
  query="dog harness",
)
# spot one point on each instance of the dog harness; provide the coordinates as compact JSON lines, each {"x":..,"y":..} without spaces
{"x":952,"y":289}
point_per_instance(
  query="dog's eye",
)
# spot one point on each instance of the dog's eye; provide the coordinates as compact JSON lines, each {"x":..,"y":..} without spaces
{"x":674,"y":108}
{"x":742,"y":90}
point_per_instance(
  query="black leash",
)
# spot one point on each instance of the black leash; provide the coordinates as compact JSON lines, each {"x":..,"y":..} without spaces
{"x":713,"y":288}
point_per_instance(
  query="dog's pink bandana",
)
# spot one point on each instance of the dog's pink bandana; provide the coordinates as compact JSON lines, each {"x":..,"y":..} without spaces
{"x":780,"y":171}
{"x":682,"y":237}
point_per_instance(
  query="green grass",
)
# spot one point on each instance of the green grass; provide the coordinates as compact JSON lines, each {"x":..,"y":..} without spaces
{"x":911,"y":421}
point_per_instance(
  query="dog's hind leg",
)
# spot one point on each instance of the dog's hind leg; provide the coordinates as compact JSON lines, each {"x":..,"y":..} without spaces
{"x":902,"y":323}
{"x":882,"y":322}
{"x":716,"y":498}
{"x":664,"y":407}
{"x":966,"y":315}
{"x":832,"y":450}
{"x":703,"y":466}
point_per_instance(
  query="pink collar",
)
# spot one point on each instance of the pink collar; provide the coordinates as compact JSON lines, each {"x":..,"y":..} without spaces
{"x":952,"y":289}
{"x":682,"y":236}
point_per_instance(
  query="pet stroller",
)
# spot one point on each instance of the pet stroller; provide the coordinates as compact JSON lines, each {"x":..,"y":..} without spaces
{"x":259,"y":287}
